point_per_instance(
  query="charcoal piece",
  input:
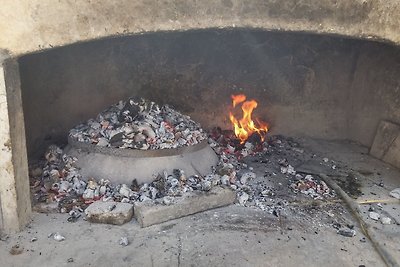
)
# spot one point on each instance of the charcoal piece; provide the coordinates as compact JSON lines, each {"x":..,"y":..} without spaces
{"x":347,"y":232}
{"x":140,"y":120}
{"x":135,"y":186}
{"x":116,"y":140}
{"x":53,"y":154}
{"x":254,"y":139}
{"x":176,"y":173}
{"x":159,"y":183}
{"x":129,"y":112}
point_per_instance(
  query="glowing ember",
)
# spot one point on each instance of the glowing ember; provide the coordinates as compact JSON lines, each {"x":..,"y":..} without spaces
{"x":245,"y":127}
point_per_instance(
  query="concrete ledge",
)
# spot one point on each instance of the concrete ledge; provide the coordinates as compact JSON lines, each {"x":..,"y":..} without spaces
{"x":109,"y":212}
{"x":148,"y":213}
{"x":386,"y":145}
{"x":121,"y":169}
{"x":392,"y":155}
{"x":41,"y":24}
{"x":15,"y":201}
{"x":385,"y":135}
{"x":134,"y":153}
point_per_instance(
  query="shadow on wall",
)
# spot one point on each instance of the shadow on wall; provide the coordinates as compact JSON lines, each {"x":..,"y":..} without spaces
{"x":311,"y":85}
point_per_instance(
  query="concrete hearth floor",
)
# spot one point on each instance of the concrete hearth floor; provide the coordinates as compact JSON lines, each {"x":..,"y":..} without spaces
{"x":229,"y":236}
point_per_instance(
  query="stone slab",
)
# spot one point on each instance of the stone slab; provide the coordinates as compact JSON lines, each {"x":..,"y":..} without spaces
{"x":42,"y":24}
{"x":124,"y":168}
{"x":109,"y":212}
{"x":15,"y":198}
{"x":386,"y":134}
{"x":386,"y":145}
{"x":148,"y":213}
{"x":51,"y":207}
{"x":392,"y":155}
{"x":395,"y":193}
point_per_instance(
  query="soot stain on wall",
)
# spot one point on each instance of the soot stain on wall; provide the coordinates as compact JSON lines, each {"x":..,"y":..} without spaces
{"x":304,"y":83}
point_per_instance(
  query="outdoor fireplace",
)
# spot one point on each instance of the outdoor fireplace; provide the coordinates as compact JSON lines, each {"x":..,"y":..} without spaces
{"x":319,"y":78}
{"x":258,"y":84}
{"x":310,"y":85}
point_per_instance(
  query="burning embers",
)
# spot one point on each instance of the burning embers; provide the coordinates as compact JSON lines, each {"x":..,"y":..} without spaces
{"x":260,"y":173}
{"x":139,"y":124}
{"x":246,"y":127}
{"x":145,"y":125}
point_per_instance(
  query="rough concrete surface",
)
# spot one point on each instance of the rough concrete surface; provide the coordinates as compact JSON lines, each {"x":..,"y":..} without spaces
{"x":308,"y":85}
{"x":386,"y":134}
{"x":14,"y":186}
{"x":148,"y":214}
{"x":386,"y":145}
{"x":109,"y":212}
{"x":40,"y":24}
{"x":5,"y":149}
{"x":375,"y":179}
{"x":393,"y":153}
{"x":229,"y":236}
{"x":29,"y":26}
{"x":196,"y":73}
{"x":122,"y":169}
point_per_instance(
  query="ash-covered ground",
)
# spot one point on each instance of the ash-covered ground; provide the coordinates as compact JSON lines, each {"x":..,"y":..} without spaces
{"x":263,"y":175}
{"x":139,"y":124}
{"x":277,"y":175}
{"x":284,"y":220}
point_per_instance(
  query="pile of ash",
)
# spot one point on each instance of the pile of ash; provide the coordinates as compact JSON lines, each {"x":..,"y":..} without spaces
{"x":139,"y":124}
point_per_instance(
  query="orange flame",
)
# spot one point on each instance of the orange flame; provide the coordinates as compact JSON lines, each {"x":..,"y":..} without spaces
{"x":245,"y":127}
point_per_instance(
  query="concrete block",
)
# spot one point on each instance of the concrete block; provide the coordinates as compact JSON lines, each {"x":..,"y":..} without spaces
{"x":15,"y":200}
{"x":386,"y":145}
{"x":109,"y":212}
{"x":148,"y":213}
{"x":386,"y":134}
{"x":392,"y":155}
{"x":118,"y":165}
{"x":51,"y":207}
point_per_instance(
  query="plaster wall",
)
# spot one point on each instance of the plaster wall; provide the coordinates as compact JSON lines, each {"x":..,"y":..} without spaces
{"x":34,"y":25}
{"x":375,"y":90}
{"x":312,"y":85}
{"x":37,"y":25}
{"x":14,"y":185}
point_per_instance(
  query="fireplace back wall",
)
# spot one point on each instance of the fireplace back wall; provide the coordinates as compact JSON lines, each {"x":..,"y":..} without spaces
{"x":320,"y":86}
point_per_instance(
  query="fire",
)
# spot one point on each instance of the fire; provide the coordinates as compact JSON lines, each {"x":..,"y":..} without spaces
{"x":245,"y":127}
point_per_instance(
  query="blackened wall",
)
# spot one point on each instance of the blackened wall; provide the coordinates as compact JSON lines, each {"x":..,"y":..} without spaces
{"x":311,"y":85}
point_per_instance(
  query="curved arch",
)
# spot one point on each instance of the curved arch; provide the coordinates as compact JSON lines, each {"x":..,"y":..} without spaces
{"x":29,"y":26}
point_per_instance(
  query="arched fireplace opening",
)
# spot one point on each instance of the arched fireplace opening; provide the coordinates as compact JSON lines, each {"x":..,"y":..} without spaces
{"x":325,"y":107}
{"x":306,"y":85}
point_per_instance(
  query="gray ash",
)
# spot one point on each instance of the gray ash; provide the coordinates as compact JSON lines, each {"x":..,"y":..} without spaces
{"x":263,"y":175}
{"x":139,"y":124}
